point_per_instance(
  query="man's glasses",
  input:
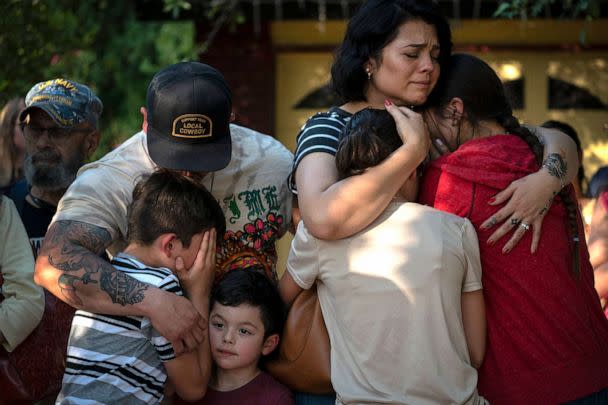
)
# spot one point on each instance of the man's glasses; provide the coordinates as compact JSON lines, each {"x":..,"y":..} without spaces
{"x":55,"y":134}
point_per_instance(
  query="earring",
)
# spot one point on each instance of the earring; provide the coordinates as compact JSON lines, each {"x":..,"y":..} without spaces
{"x":369,"y":74}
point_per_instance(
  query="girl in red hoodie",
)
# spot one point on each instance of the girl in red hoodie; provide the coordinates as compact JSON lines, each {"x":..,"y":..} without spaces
{"x":547,"y":336}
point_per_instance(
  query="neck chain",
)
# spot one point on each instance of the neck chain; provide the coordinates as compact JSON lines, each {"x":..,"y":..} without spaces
{"x":212,"y":180}
{"x":41,"y":203}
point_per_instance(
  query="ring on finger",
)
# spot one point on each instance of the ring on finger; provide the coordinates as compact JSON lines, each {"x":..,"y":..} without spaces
{"x":515,"y":221}
{"x":524,"y":225}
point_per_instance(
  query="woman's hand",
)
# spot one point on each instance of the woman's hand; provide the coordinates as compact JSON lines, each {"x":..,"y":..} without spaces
{"x":410,"y":127}
{"x":527,"y":201}
{"x":198,"y":279}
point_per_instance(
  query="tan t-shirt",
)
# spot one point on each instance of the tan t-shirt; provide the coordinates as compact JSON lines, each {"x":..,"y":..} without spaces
{"x":252,"y":191}
{"x":23,"y":304}
{"x":390,"y":296}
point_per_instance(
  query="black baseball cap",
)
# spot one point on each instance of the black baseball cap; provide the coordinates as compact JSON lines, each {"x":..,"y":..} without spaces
{"x":189,"y":106}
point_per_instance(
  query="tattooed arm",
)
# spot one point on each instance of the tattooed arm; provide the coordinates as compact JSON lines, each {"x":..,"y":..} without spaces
{"x":69,"y":267}
{"x":560,"y":156}
{"x":528,"y":199}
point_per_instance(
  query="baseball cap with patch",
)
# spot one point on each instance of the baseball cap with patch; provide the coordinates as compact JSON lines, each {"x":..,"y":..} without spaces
{"x":67,"y":102}
{"x":189,"y":106}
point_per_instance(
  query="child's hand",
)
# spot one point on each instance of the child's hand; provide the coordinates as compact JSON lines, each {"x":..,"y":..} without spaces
{"x":198,"y":279}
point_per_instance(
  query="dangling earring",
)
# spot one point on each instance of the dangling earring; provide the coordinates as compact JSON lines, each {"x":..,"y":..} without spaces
{"x":369,"y":74}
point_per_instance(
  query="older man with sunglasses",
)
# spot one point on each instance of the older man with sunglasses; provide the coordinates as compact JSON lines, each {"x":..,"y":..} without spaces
{"x":60,"y":129}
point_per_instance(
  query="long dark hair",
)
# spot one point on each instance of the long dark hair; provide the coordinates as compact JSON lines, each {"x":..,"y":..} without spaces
{"x":477,"y":85}
{"x":8,"y":150}
{"x":371,"y":28}
{"x":369,"y":137}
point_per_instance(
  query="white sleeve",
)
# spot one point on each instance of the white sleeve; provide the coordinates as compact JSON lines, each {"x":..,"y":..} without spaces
{"x":23,"y":304}
{"x":470,"y":246}
{"x":303,"y":260}
{"x":99,"y":196}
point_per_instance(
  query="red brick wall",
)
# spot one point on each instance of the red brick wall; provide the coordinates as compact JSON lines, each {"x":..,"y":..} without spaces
{"x":247,"y":62}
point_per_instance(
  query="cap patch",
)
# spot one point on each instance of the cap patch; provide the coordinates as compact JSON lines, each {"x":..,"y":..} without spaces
{"x":192,"y":126}
{"x":57,"y":82}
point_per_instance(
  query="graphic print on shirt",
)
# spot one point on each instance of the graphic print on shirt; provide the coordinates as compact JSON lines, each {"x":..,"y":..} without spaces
{"x":254,"y":244}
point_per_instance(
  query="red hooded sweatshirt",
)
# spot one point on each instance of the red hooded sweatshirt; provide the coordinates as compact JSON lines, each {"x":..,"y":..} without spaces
{"x":547,"y":335}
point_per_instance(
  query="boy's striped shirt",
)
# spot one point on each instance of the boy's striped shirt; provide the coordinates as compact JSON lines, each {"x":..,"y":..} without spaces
{"x":118,"y":358}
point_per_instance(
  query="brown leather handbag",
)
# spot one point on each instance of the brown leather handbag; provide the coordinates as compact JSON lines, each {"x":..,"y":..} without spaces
{"x":303,"y":361}
{"x":35,"y":368}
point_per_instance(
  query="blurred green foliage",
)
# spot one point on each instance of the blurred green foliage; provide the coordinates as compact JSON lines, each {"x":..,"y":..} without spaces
{"x":583,"y":9}
{"x":102,"y":44}
{"x":98,"y":43}
{"x":587,"y":9}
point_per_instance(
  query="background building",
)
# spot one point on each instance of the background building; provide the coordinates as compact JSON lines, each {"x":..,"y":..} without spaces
{"x":278,"y":64}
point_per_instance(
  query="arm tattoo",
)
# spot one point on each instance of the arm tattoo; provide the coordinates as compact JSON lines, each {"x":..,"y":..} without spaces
{"x":121,"y":288}
{"x":556,"y":166}
{"x":74,"y":247}
{"x":78,"y":234}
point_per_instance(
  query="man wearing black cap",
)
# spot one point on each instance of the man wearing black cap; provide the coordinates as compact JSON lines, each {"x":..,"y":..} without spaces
{"x":186,"y":127}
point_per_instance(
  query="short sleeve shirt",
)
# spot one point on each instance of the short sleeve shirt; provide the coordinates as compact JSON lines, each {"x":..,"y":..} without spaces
{"x":119,"y":358}
{"x":252,"y":191}
{"x":321,"y":133}
{"x":383,"y":293}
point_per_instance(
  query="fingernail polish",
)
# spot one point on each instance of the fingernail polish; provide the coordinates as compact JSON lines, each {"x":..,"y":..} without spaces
{"x":492,"y":200}
{"x":387,"y":102}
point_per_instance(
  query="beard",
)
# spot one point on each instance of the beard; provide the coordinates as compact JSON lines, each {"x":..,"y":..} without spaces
{"x":47,"y":171}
